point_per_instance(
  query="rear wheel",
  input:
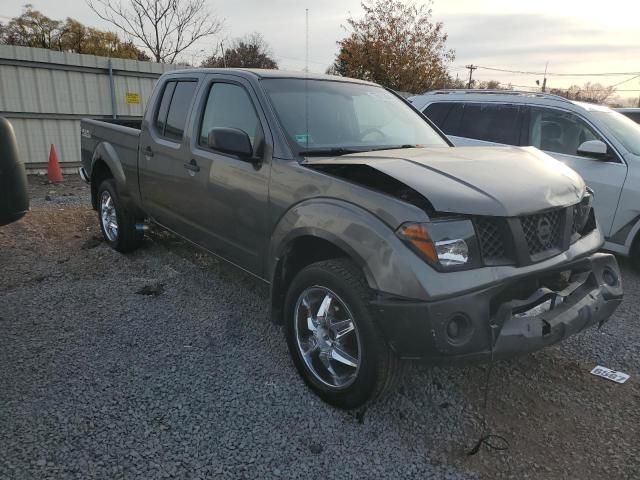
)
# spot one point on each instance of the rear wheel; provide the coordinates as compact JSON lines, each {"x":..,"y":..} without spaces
{"x":332,"y":338}
{"x":118,"y":224}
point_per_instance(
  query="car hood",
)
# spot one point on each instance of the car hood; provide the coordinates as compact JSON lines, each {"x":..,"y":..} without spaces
{"x":496,"y":181}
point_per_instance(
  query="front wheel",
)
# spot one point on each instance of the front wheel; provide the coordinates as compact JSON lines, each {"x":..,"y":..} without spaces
{"x":117,"y":223}
{"x":332,"y":338}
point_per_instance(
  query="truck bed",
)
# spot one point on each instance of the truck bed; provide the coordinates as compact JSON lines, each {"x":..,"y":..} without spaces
{"x":117,"y":136}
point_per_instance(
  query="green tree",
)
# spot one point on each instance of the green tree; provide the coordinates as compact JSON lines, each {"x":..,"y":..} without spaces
{"x":34,"y":29}
{"x":251,"y":51}
{"x":397,"y":45}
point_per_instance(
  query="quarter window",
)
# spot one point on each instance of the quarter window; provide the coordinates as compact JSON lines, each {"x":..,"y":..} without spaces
{"x":558,"y":132}
{"x":179,"y":109}
{"x":161,"y":115}
{"x":230,"y":106}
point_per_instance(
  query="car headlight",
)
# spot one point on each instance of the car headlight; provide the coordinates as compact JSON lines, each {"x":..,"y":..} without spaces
{"x":445,"y":244}
{"x":582,"y":212}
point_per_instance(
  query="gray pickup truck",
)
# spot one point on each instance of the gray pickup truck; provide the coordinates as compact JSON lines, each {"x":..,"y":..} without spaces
{"x":379,"y":240}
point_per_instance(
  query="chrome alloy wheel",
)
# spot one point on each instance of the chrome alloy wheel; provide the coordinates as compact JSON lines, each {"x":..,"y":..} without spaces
{"x":108,"y":216}
{"x":327,"y":337}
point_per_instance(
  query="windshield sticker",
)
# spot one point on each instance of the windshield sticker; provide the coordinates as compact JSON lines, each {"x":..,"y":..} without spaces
{"x":304,"y":138}
{"x":383,"y":96}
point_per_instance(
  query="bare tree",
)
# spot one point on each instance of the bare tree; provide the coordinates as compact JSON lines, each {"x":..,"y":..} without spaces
{"x":165,"y":27}
{"x":589,"y":92}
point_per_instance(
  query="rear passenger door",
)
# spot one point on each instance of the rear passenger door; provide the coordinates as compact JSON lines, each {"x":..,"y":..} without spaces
{"x":476,"y":124}
{"x":165,"y":183}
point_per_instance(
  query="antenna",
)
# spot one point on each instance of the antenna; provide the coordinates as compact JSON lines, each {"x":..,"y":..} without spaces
{"x":306,"y":55}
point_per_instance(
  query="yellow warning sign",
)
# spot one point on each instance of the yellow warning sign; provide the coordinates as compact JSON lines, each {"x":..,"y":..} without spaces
{"x":132,"y":98}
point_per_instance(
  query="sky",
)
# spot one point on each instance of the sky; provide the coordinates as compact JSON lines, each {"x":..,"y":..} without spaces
{"x":573,"y":36}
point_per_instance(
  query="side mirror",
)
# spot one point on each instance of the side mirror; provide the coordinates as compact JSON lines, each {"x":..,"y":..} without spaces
{"x":593,"y":149}
{"x":230,"y":140}
{"x":14,"y":198}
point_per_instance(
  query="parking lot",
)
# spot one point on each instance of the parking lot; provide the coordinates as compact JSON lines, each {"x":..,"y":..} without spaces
{"x":164,"y":364}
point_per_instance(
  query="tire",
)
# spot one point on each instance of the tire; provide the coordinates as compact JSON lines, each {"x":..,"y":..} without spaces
{"x":321,"y":334}
{"x":122,"y":234}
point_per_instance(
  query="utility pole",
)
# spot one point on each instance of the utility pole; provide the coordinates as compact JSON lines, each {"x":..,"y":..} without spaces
{"x":224,"y":58}
{"x":471,"y":68}
{"x":544,"y":80}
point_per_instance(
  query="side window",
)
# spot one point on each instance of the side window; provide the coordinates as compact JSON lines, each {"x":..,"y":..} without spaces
{"x":452,"y":123}
{"x":230,"y":106}
{"x":437,"y":112}
{"x":559,"y":132}
{"x":161,"y":114}
{"x":491,"y":123}
{"x":178,"y":110}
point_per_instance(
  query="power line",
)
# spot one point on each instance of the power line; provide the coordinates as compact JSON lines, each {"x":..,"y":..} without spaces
{"x":533,"y":88}
{"x":521,"y":72}
{"x":625,"y":81}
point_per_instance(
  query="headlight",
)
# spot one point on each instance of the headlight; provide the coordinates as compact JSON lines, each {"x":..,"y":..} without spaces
{"x":582,"y":212}
{"x":445,"y":244}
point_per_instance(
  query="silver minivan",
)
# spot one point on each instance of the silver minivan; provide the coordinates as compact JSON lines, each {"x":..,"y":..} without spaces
{"x":600,"y":144}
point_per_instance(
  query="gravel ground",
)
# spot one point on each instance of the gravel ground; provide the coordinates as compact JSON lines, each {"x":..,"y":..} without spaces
{"x":163,"y":364}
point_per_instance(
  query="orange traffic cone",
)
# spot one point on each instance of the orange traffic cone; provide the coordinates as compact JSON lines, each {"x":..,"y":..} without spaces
{"x":54,"y":173}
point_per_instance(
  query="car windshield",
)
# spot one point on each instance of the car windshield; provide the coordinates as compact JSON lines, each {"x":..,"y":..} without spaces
{"x":626,"y":131}
{"x":330,"y":117}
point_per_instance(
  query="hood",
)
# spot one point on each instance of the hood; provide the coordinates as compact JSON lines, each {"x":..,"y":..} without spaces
{"x":496,"y":181}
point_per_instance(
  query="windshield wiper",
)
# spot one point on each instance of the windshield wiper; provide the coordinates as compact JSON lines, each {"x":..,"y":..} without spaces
{"x":392,"y":147}
{"x":331,"y":152}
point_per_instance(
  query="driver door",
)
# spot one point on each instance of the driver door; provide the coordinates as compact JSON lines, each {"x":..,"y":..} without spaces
{"x":235,"y":196}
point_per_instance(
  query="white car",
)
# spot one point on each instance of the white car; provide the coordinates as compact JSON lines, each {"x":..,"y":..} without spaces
{"x":600,"y":144}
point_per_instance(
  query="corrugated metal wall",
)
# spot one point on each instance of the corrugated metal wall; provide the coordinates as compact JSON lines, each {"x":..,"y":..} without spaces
{"x":45,"y":93}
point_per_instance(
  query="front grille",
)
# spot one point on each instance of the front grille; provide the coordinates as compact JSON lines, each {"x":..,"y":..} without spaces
{"x":530,"y":238}
{"x":492,"y":243}
{"x":543,"y":231}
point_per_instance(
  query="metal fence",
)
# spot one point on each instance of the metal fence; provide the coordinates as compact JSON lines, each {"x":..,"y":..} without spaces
{"x":45,"y":93}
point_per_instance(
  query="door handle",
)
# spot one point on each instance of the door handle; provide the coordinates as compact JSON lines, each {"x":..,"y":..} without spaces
{"x":148,"y":152}
{"x":192,"y":166}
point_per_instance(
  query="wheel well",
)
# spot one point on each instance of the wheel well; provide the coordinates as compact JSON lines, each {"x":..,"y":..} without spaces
{"x":301,"y":252}
{"x":99,"y":173}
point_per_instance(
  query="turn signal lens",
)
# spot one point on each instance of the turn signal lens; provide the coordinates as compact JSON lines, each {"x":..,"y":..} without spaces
{"x":418,"y":236}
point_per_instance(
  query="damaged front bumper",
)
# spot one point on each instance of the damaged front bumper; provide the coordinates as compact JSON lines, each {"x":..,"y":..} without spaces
{"x":513,"y":317}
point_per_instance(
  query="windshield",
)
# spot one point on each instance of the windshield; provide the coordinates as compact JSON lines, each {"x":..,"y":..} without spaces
{"x":626,"y":131}
{"x":341,"y":117}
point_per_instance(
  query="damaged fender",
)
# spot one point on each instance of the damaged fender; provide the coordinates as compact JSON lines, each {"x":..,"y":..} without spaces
{"x":387,"y":264}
